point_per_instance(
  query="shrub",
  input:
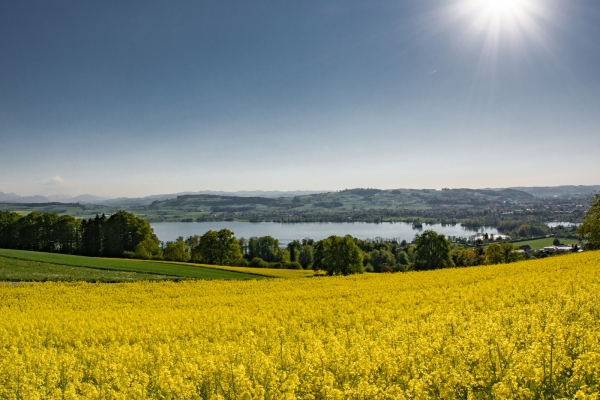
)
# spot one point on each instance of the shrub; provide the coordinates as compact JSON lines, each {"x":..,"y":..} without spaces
{"x":258,"y":262}
{"x":293,"y":265}
{"x":242,"y":262}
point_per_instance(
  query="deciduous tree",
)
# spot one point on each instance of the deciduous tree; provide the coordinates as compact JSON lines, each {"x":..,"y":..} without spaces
{"x":338,"y":256}
{"x":432,"y":251}
{"x":219,"y":248}
{"x":590,"y":228}
{"x":503,"y":253}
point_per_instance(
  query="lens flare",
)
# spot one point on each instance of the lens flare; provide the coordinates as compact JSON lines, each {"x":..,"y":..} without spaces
{"x":502,"y":6}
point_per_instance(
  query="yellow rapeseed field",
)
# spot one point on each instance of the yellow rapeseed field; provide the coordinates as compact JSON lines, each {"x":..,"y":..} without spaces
{"x":529,"y":330}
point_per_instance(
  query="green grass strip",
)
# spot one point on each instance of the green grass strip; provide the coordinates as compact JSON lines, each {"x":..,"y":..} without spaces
{"x":178,"y":270}
{"x":15,"y":270}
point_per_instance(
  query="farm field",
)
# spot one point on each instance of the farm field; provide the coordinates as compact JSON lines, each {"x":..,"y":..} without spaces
{"x":524,"y":330}
{"x":15,"y":270}
{"x":178,"y":271}
{"x":538,"y":244}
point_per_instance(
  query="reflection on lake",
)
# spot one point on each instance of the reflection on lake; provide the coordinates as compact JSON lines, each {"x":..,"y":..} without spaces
{"x":314,"y":230}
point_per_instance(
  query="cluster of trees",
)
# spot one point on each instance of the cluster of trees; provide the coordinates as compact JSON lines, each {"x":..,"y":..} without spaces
{"x":336,"y":255}
{"x":123,"y":234}
{"x":222,"y":248}
{"x":216,"y":248}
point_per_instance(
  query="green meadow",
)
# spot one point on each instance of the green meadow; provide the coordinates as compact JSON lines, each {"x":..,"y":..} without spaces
{"x":15,"y":270}
{"x":537,"y":244}
{"x":167,"y":270}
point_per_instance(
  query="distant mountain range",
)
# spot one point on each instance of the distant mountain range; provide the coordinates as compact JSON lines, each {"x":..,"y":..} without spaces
{"x":541,"y":191}
{"x":82,"y":199}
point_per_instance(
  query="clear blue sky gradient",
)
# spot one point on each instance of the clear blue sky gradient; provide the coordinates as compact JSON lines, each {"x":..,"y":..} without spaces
{"x":131,"y":98}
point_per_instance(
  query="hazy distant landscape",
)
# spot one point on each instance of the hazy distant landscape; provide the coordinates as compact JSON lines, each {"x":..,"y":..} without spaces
{"x":504,"y":210}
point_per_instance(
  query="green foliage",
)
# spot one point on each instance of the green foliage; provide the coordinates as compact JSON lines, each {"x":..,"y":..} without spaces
{"x":590,"y":228}
{"x":402,"y":258}
{"x":92,"y":236}
{"x":258,"y":262}
{"x":8,"y":228}
{"x":306,"y":256}
{"x":293,"y":265}
{"x":265,"y":247}
{"x":178,"y":250}
{"x":338,"y":256}
{"x":432,"y":251}
{"x":219,"y":248}
{"x":382,"y":261}
{"x":464,"y":257}
{"x":194,"y":243}
{"x":123,"y":232}
{"x":294,"y":248}
{"x":503,"y":253}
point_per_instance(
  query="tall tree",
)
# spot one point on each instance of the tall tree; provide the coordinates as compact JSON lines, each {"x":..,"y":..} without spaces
{"x":294,"y":247}
{"x":67,"y":231}
{"x":306,"y":256}
{"x":265,"y":247}
{"x":8,"y":229}
{"x":92,"y":236}
{"x":49,"y":232}
{"x":30,"y":232}
{"x":219,"y":248}
{"x":194,"y":243}
{"x":123,"y":231}
{"x":338,"y":256}
{"x":432,"y":251}
{"x":382,"y":260}
{"x":590,"y":228}
{"x":503,"y":253}
{"x":178,"y":250}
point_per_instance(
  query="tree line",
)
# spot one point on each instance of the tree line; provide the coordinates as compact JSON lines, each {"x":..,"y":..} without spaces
{"x":336,"y":255}
{"x":121,"y":234}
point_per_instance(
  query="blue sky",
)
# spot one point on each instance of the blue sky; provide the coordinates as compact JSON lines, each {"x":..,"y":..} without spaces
{"x":130,"y":98}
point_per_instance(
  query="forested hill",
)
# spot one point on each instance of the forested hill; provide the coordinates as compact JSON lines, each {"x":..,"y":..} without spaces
{"x":370,"y":205}
{"x":470,"y":206}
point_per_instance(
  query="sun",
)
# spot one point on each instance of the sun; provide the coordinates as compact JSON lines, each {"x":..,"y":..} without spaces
{"x":501,"y":15}
{"x":502,"y":6}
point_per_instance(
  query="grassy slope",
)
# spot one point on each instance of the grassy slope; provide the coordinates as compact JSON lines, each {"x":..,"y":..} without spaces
{"x":12,"y":269}
{"x":537,"y":244}
{"x":178,"y":270}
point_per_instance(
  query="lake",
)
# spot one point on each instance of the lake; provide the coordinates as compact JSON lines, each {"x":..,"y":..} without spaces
{"x":167,"y":231}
